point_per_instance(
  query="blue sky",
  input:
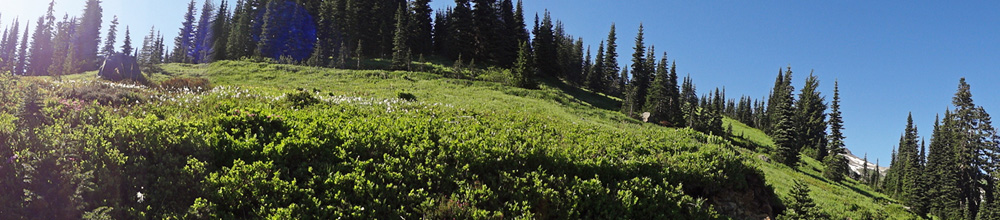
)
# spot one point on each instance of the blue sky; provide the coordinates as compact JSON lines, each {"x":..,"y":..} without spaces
{"x":890,"y":58}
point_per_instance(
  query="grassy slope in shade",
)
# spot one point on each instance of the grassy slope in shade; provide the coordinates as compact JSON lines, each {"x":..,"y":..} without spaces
{"x":847,"y":199}
{"x":464,"y":148}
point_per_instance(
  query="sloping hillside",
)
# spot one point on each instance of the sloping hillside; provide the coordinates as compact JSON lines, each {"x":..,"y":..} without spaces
{"x":293,"y":142}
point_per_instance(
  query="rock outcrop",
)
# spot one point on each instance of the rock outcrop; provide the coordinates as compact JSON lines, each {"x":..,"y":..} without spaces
{"x":121,"y":67}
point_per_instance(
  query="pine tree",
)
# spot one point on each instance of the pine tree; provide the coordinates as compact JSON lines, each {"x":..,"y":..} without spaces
{"x":658,"y":98}
{"x":269,"y":30}
{"x":940,"y":173}
{"x":61,"y":45}
{"x":811,"y":118}
{"x":203,"y":36}
{"x":127,"y":45}
{"x":596,"y":79}
{"x":89,"y":36}
{"x":674,"y":114}
{"x":22,"y":53}
{"x":109,"y":42}
{"x":545,"y":48}
{"x":802,"y":206}
{"x":784,"y":134}
{"x":640,"y":77}
{"x":461,"y":30}
{"x":523,"y":68}
{"x":863,"y":175}
{"x":486,"y":30}
{"x":240,"y":42}
{"x":8,"y":49}
{"x":184,"y":42}
{"x":836,"y":163}
{"x":614,"y":86}
{"x":401,"y":54}
{"x":421,"y":41}
{"x":41,"y":46}
{"x":220,"y":34}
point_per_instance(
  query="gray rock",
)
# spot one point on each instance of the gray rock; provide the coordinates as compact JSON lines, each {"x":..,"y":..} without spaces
{"x":121,"y":67}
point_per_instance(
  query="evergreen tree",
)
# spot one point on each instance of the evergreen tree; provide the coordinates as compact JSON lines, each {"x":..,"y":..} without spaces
{"x":8,"y":49}
{"x":421,"y":42}
{"x":939,"y":172}
{"x":109,"y":42}
{"x":596,"y":79}
{"x":184,"y":42}
{"x":203,"y":36}
{"x":863,"y":175}
{"x":88,"y":36}
{"x":640,"y":77}
{"x":659,"y":99}
{"x":22,"y":53}
{"x":401,"y":54}
{"x":461,"y":30}
{"x":486,"y":30}
{"x":545,"y":48}
{"x":802,"y":206}
{"x":674,"y":103}
{"x":61,"y":45}
{"x":784,"y":134}
{"x":811,"y":119}
{"x":976,"y":144}
{"x":836,"y":163}
{"x":240,"y":41}
{"x":615,"y":86}
{"x":127,"y":45}
{"x":523,"y":68}
{"x":220,"y":34}
{"x":41,"y":46}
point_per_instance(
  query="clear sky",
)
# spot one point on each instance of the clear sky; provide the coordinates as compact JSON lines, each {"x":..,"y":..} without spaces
{"x":890,"y":58}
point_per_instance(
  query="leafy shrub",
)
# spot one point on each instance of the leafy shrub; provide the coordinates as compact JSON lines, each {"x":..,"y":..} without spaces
{"x":407,"y":96}
{"x":301,"y":99}
{"x":193,"y":84}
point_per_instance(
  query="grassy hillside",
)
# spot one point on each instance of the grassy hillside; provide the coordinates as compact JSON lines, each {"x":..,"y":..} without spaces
{"x":292,"y":142}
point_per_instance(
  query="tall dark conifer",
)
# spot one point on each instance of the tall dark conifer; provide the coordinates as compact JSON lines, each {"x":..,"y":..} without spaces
{"x":89,"y":36}
{"x":203,"y":34}
{"x":545,"y":48}
{"x":240,"y":41}
{"x":401,"y":53}
{"x":41,"y":44}
{"x":785,"y":133}
{"x":836,"y":163}
{"x":127,"y":44}
{"x":421,"y":42}
{"x":22,"y":53}
{"x":811,"y":118}
{"x":640,"y":77}
{"x":220,"y":34}
{"x":184,"y":42}
{"x":611,"y":69}
{"x":109,"y":41}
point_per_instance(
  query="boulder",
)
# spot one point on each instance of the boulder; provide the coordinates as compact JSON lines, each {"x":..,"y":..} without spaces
{"x":121,"y":67}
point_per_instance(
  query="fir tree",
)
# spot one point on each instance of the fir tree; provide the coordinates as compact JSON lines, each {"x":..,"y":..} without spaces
{"x":811,"y":118}
{"x":127,"y":45}
{"x":203,"y":36}
{"x":545,"y":48}
{"x":109,"y":42}
{"x":939,"y":172}
{"x":784,"y":134}
{"x":401,"y":54}
{"x":802,"y":206}
{"x":61,"y":45}
{"x":596,"y":79}
{"x":240,"y":42}
{"x":836,"y":164}
{"x":184,"y":42}
{"x":22,"y":53}
{"x":220,"y":34}
{"x":486,"y":30}
{"x":523,"y":68}
{"x":658,"y":98}
{"x":615,"y":87}
{"x":640,"y":77}
{"x":421,"y":41}
{"x":41,"y":46}
{"x":89,"y":36}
